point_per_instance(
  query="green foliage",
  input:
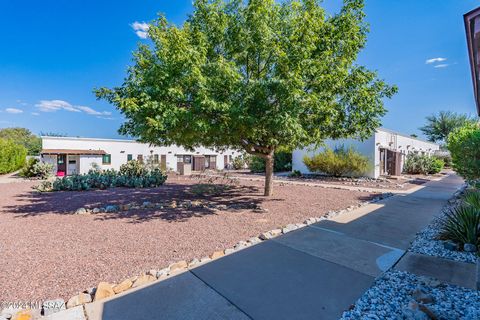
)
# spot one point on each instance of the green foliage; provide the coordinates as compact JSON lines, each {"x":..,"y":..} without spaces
{"x":440,"y":125}
{"x":252,"y":75}
{"x":133,"y":168}
{"x":129,"y":177}
{"x":422,"y":164}
{"x":12,"y":156}
{"x":25,"y":137}
{"x":472,"y":198}
{"x":282,"y":162}
{"x":464,"y":146}
{"x":445,"y":157}
{"x":34,"y":168}
{"x":295,"y":174}
{"x":338,"y":162}
{"x":241,"y":162}
{"x":462,"y":225}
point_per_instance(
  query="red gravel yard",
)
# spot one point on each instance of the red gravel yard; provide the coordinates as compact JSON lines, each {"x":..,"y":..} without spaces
{"x":48,"y":252}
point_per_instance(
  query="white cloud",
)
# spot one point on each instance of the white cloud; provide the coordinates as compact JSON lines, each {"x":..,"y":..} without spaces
{"x":141,"y":29}
{"x":13,"y":110}
{"x":106,"y":118}
{"x":55,"y":105}
{"x":93,"y":112}
{"x":35,"y":114}
{"x":444,"y":65}
{"x":434,"y":60}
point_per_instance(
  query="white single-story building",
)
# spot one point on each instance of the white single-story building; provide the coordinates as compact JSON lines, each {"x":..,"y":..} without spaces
{"x":79,"y":155}
{"x":386,"y":149}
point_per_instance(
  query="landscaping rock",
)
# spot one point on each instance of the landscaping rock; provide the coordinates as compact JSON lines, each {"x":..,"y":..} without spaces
{"x":205,"y":260}
{"x":123,"y":286}
{"x":421,"y":295}
{"x":162,"y":273}
{"x":111,"y":208}
{"x":104,"y":290}
{"x":450,"y":245}
{"x":81,"y":211}
{"x":240,"y":245}
{"x":217,"y":254}
{"x":152,"y":272}
{"x":254,"y":240}
{"x":468,"y":247}
{"x":79,"y":299}
{"x":288,"y":228}
{"x":52,"y":306}
{"x":143,"y":279}
{"x":96,"y":210}
{"x":229,"y":250}
{"x":193,"y":263}
{"x":178,"y":266}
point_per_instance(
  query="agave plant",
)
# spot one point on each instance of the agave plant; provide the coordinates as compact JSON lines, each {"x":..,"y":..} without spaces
{"x":472,"y":198}
{"x":461,"y":225}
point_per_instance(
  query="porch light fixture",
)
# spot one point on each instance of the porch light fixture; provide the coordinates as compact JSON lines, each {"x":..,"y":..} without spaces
{"x":472,"y":29}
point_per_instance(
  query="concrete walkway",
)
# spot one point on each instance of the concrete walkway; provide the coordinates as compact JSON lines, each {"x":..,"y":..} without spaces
{"x":313,"y":273}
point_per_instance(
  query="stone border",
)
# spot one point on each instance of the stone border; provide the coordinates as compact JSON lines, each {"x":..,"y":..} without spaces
{"x":105,"y":290}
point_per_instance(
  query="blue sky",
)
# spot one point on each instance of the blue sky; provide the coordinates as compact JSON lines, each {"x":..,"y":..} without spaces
{"x":54,"y":53}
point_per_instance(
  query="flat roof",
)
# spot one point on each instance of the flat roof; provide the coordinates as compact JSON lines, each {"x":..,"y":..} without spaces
{"x":73,"y":151}
{"x":91,"y":139}
{"x":405,"y":135}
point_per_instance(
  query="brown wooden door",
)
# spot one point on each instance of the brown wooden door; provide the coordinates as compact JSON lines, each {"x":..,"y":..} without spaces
{"x":163,"y":162}
{"x":225,"y":161}
{"x":213,"y":163}
{"x":198,"y":163}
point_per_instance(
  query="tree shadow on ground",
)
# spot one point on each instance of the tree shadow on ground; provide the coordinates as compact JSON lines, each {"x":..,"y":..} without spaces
{"x":237,"y":198}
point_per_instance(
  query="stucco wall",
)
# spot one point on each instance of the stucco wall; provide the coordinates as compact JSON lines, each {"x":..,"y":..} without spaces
{"x":119,"y":150}
{"x":383,"y":138}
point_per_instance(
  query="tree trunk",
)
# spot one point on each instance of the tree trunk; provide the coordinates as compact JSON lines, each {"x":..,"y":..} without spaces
{"x":269,"y":174}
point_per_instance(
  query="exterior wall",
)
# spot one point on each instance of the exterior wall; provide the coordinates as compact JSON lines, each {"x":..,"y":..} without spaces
{"x":383,"y":138}
{"x":120,"y":149}
{"x":52,"y":159}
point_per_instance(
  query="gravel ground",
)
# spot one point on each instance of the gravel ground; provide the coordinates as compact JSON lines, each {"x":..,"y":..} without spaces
{"x":402,"y":183}
{"x":391,"y":294}
{"x":49,"y":253}
{"x":427,"y":243}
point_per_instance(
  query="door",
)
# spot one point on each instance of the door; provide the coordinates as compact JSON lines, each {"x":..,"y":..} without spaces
{"x":391,"y":162}
{"x":198,"y":163}
{"x":72,"y":166}
{"x":163,"y":162}
{"x":61,"y":164}
{"x":225,"y":161}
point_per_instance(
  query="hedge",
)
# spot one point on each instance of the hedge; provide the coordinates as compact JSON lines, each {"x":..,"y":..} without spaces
{"x":12,"y":156}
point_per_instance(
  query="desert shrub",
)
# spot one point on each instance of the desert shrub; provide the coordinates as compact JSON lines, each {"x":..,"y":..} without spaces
{"x":445,"y":156}
{"x":295,"y":174}
{"x":472,"y":198}
{"x":464,"y":146}
{"x":34,"y":168}
{"x":462,"y":225}
{"x":422,"y":164}
{"x":282,"y":161}
{"x":240,"y":162}
{"x":338,"y":162}
{"x":133,"y":168}
{"x":110,"y":179}
{"x":12,"y":156}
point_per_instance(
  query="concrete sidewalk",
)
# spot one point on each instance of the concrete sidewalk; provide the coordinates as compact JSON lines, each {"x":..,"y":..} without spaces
{"x":316,"y":272}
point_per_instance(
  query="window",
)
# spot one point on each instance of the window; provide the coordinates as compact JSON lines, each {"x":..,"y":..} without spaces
{"x":140,"y":158}
{"x":107,"y":159}
{"x":129,"y":157}
{"x":184,"y":158}
{"x":155,"y":159}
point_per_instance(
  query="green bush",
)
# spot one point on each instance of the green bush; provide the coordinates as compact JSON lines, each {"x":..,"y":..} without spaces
{"x":12,"y":156}
{"x":422,"y":164}
{"x":133,"y":168}
{"x":132,"y":176}
{"x":295,"y":174}
{"x":464,"y":146}
{"x":34,"y":168}
{"x":240,"y":162}
{"x":338,"y":162}
{"x":462,"y":225}
{"x":282,"y":162}
{"x":445,"y":157}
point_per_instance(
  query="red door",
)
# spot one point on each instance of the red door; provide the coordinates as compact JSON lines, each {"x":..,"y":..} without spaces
{"x":61,"y":164}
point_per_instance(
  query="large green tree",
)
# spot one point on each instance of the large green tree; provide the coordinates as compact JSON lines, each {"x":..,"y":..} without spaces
{"x":440,"y":125}
{"x":254,"y":75}
{"x":24,"y":137}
